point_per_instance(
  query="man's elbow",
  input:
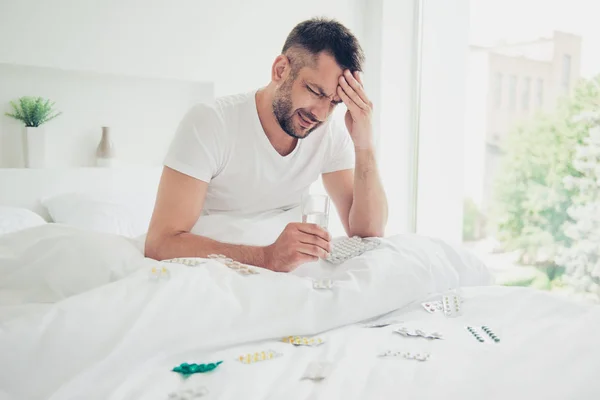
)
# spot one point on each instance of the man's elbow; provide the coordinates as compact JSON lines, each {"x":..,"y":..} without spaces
{"x":367,"y":232}
{"x":370,"y":234}
{"x":379,"y":233}
{"x":154,"y":247}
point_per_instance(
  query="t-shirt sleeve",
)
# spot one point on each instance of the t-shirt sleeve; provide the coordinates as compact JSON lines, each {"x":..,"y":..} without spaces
{"x":197,"y":150}
{"x":340,"y":154}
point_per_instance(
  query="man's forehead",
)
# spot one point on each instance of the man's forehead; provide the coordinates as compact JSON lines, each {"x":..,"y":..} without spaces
{"x":324,"y":71}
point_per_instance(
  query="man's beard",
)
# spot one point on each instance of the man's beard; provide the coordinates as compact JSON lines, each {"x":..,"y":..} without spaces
{"x":282,"y":108}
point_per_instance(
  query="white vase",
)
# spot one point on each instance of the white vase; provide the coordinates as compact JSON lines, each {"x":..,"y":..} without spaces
{"x":34,"y":146}
{"x":105,"y":153}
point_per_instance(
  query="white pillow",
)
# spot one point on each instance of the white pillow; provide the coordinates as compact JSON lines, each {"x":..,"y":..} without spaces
{"x":14,"y":219}
{"x":126,"y":214}
{"x":54,"y":261}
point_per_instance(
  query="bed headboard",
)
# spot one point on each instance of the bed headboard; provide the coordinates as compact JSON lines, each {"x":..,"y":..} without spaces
{"x":20,"y":187}
{"x":142,"y":114}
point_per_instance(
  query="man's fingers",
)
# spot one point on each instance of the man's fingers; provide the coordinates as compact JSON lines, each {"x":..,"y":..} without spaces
{"x":352,"y":106}
{"x":316,"y":240}
{"x":356,"y":75}
{"x":350,"y":92}
{"x":356,"y":84}
{"x":311,"y":250}
{"x":316,"y":230}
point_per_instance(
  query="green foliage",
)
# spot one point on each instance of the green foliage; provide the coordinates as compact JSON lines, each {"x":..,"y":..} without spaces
{"x":526,"y":277}
{"x":472,"y":221}
{"x":531,"y":196}
{"x":582,"y":258}
{"x":33,"y":111}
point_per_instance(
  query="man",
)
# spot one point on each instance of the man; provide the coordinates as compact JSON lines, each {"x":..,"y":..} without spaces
{"x":261,"y":151}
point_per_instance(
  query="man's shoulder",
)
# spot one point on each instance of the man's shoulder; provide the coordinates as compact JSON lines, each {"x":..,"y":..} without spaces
{"x":221,"y":106}
{"x":233,"y":102}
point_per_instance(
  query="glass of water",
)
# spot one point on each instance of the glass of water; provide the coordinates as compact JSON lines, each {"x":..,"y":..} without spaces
{"x":315,"y":210}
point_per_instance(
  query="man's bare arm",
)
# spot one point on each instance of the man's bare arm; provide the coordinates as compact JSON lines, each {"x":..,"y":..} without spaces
{"x":359,"y":196}
{"x":178,"y":206}
{"x":368,"y":215}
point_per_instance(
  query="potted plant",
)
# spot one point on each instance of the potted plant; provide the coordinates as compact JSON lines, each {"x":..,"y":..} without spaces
{"x":33,"y":112}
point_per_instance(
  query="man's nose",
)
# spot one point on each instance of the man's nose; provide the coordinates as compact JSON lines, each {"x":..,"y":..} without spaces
{"x":321,"y":109}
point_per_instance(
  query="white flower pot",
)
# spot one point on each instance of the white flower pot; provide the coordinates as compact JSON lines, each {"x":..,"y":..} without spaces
{"x":34,"y":146}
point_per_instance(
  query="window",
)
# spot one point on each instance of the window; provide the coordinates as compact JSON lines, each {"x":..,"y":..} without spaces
{"x":512,"y":92}
{"x":498,"y":90}
{"x":509,"y":220}
{"x":526,"y":90}
{"x":539,"y":90}
{"x":566,"y":72}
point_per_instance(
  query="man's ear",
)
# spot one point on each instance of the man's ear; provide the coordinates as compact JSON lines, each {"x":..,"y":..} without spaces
{"x":281,"y":69}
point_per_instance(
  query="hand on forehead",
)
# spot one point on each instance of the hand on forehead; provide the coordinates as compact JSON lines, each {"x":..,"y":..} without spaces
{"x":320,"y":71}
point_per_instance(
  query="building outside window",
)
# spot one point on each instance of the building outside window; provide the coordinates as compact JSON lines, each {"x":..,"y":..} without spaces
{"x":539,"y":92}
{"x":498,"y":90}
{"x":566,"y":72}
{"x":526,"y":92}
{"x":512,"y":93}
{"x":521,"y":220}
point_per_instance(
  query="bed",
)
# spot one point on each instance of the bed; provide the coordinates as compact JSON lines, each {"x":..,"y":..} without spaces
{"x":83,"y":315}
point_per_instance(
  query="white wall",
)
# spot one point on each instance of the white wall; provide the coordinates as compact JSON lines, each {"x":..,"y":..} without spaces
{"x":476,"y":119}
{"x":396,"y":107}
{"x":442,"y":125}
{"x":232,"y":44}
{"x":142,"y":113}
{"x":388,"y":41}
{"x":229,"y":42}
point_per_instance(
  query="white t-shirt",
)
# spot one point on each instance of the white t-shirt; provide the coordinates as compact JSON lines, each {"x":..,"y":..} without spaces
{"x":224,"y":144}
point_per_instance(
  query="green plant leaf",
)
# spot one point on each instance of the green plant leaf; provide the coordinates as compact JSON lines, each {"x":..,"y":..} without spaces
{"x":33,"y":111}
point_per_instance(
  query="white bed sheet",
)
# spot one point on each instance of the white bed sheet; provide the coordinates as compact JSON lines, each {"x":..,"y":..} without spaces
{"x":548,"y":350}
{"x":104,"y":331}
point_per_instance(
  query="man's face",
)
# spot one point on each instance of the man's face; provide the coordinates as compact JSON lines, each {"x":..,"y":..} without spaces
{"x":302,"y":103}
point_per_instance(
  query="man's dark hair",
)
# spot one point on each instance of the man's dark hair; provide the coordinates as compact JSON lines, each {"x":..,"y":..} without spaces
{"x":318,"y":35}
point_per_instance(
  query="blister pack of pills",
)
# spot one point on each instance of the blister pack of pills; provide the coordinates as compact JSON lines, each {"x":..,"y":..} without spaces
{"x":189,"y":261}
{"x":381,"y":324}
{"x":418,"y":333}
{"x":186,"y":369}
{"x":452,"y":304}
{"x":265,"y":355}
{"x":318,"y":370}
{"x":323,"y":284}
{"x":303,"y":341}
{"x":433,"y":306}
{"x":345,"y":248}
{"x":238,"y":267}
{"x":483,"y":335}
{"x":406,"y":355}
{"x":189,"y":394}
{"x":159,"y":273}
